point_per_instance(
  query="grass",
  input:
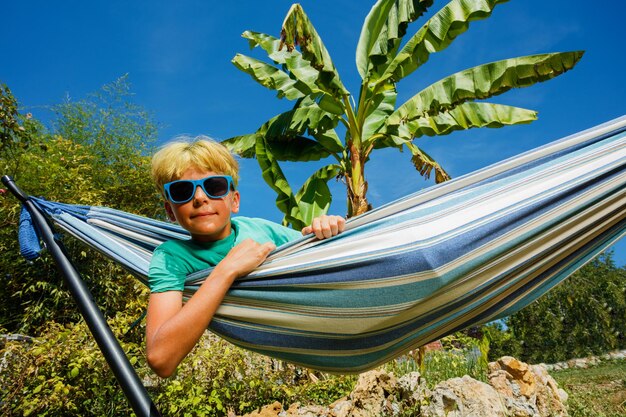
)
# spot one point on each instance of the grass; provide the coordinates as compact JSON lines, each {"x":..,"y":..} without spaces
{"x":599,"y":391}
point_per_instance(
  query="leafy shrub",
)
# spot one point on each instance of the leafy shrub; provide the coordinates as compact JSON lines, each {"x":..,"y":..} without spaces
{"x":63,"y":373}
{"x":582,"y":316}
{"x":502,"y":341}
{"x":95,"y":155}
{"x":460,"y":355}
{"x":218,"y":376}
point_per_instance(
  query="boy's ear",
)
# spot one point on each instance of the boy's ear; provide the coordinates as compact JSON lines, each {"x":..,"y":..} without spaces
{"x":234,"y":208}
{"x":169,"y":211}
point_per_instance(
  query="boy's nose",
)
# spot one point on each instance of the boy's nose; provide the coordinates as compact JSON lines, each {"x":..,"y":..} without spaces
{"x":199,"y":195}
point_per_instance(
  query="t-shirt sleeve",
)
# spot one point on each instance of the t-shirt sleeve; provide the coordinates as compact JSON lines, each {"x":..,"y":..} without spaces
{"x":262,"y":230}
{"x":281,"y":234}
{"x":164,"y":274}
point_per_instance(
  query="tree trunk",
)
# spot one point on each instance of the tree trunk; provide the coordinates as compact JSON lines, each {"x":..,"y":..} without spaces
{"x":357,"y":186}
{"x":358,"y":201}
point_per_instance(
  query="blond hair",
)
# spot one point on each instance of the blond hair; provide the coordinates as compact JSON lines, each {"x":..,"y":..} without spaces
{"x":175,"y":157}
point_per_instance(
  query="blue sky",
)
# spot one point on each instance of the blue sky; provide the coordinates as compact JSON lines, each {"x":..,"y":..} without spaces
{"x":177,"y":55}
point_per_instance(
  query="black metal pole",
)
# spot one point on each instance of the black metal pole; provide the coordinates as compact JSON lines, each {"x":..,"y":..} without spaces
{"x":134,"y":390}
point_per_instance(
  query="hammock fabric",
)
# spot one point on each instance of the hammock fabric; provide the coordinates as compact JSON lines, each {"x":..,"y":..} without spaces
{"x":465,"y":252}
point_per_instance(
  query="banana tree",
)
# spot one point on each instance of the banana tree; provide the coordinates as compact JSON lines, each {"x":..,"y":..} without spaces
{"x":302,"y":71}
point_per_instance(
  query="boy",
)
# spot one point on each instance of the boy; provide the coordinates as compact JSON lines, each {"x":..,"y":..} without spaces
{"x":198,"y":182}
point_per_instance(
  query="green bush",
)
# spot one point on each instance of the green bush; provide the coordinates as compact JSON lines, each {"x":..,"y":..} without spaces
{"x":95,"y":154}
{"x":460,"y":355}
{"x":218,"y":376}
{"x":63,"y":373}
{"x":502,"y":342}
{"x":582,"y":316}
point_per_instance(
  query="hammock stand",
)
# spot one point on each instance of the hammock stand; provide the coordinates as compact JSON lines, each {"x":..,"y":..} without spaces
{"x":131,"y":385}
{"x":461,"y":253}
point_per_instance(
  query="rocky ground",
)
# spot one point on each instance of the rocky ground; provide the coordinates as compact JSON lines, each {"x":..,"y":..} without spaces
{"x":514,"y":388}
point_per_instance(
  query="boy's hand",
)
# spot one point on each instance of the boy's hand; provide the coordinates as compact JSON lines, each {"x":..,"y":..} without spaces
{"x":325,"y":226}
{"x":245,"y":257}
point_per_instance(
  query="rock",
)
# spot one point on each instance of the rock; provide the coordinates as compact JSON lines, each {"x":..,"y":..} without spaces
{"x":528,"y":391}
{"x":593,"y":361}
{"x":372,"y":396}
{"x":295,"y":410}
{"x":516,"y":376}
{"x":577,"y":363}
{"x":515,"y":389}
{"x":464,"y":397}
{"x":271,"y":410}
{"x":412,"y":388}
{"x":341,"y":408}
{"x":550,"y":399}
{"x":499,"y":380}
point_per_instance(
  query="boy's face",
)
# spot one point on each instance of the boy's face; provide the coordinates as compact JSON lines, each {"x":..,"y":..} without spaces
{"x":206,"y":219}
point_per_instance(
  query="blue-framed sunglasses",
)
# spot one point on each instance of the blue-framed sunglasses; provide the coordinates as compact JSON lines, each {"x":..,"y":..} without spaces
{"x":215,"y":186}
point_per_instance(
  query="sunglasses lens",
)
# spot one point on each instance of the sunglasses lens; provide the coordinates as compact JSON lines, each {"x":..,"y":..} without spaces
{"x":216,"y":186}
{"x":181,"y":191}
{"x":184,"y":190}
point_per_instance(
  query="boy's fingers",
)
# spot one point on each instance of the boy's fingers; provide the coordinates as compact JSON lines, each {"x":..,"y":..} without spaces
{"x":250,"y":245}
{"x":317,"y":228}
{"x":325,"y":226}
{"x":341,"y":223}
{"x":263,"y":249}
{"x":334,"y":228}
{"x":332,"y":225}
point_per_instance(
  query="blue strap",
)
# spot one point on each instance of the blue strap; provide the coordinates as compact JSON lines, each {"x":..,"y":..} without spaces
{"x":28,"y":237}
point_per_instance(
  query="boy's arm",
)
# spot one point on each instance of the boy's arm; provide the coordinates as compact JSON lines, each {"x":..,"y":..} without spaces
{"x":173,"y":329}
{"x":325,"y":226}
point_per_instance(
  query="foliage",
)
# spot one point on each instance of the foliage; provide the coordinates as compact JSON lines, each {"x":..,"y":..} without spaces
{"x":64,"y":373}
{"x":118,"y":135}
{"x":302,"y":71}
{"x":582,"y":316}
{"x":107,"y":167}
{"x":16,"y":131}
{"x":460,"y":355}
{"x":502,"y":342}
{"x":11,"y":131}
{"x":218,"y":376}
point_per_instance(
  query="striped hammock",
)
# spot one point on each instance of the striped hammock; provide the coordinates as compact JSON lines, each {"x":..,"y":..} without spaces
{"x":465,"y":252}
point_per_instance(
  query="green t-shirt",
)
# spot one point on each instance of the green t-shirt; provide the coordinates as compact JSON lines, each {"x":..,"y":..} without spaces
{"x":173,"y":260}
